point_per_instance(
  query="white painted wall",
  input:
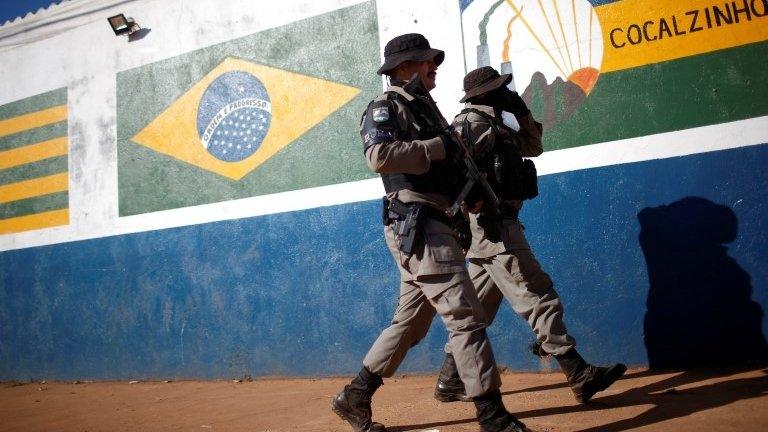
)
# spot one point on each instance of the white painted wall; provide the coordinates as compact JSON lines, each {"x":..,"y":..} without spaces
{"x":87,"y":57}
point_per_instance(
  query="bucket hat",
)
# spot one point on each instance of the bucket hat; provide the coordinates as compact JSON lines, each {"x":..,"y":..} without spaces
{"x":482,"y":80}
{"x":411,"y":46}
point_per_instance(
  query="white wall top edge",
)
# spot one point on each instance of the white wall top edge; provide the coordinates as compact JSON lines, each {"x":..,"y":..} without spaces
{"x":665,"y":145}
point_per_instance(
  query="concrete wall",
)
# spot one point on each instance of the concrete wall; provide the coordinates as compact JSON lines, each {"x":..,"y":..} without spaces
{"x":129,"y":249}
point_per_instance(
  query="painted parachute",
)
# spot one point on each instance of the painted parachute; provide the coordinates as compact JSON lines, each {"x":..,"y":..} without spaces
{"x":553,"y":49}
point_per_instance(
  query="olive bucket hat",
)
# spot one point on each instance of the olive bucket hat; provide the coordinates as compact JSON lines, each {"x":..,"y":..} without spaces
{"x":482,"y":80}
{"x":411,"y":46}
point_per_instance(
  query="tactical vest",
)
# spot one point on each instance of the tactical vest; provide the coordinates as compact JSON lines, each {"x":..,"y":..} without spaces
{"x":440,"y":178}
{"x":510,"y":175}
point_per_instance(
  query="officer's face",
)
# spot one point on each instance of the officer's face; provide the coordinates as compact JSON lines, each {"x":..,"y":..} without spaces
{"x":427,"y":71}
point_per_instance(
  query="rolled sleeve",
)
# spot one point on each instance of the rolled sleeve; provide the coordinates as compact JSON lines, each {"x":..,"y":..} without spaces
{"x":408,"y":157}
{"x":435,"y":149}
{"x":531,"y":132}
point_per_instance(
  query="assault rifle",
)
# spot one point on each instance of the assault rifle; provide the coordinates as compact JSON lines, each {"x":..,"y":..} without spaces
{"x":491,"y":201}
{"x":492,"y":205}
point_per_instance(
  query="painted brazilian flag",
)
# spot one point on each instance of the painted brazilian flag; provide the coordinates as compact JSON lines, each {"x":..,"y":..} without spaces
{"x":271,"y":112}
{"x":604,"y":70}
{"x":34,"y":180}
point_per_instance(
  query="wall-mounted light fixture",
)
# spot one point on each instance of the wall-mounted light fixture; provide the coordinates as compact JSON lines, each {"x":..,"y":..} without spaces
{"x":122,"y":25}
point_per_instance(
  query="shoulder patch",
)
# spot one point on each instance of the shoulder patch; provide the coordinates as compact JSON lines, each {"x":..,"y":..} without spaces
{"x":379,"y":124}
{"x":380,"y":114}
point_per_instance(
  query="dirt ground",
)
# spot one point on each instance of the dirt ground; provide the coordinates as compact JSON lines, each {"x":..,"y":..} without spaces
{"x":703,"y":400}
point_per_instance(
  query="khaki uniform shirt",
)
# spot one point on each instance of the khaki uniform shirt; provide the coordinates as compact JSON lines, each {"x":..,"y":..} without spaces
{"x":484,"y":136}
{"x":408,"y":156}
{"x":440,"y":254}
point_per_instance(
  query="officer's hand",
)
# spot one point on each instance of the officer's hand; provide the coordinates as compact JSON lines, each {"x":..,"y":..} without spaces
{"x":514,"y":104}
{"x":463,"y":234}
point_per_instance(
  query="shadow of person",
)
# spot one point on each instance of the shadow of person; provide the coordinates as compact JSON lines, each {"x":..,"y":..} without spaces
{"x":671,"y":395}
{"x":669,"y":402}
{"x":699,"y":307}
{"x":699,"y":314}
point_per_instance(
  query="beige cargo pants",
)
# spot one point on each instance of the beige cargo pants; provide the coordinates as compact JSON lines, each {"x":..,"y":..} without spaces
{"x":516,"y":275}
{"x":434,"y":280}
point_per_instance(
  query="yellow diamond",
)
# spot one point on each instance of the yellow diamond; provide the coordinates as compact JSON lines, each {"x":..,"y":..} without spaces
{"x":299,"y":102}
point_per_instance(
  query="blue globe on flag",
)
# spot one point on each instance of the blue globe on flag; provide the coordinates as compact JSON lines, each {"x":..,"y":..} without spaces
{"x":234,"y":115}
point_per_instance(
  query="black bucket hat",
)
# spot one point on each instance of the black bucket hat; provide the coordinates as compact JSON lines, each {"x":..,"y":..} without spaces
{"x":482,"y":80}
{"x":411,"y":46}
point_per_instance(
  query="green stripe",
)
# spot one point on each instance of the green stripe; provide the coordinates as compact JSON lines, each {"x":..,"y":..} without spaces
{"x":34,"y":103}
{"x":30,"y":206}
{"x":708,"y":89}
{"x":34,"y":170}
{"x":32,"y":136}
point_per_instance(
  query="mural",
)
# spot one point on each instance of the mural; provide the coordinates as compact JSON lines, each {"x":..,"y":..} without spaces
{"x":271,"y":112}
{"x":584,"y":67}
{"x":668,"y":226}
{"x":34,"y":180}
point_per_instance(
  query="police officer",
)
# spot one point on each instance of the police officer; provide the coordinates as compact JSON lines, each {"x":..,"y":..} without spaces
{"x":501,"y":263}
{"x":405,"y":140}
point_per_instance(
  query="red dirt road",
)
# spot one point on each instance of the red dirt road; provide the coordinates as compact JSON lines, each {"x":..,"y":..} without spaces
{"x":704,"y":400}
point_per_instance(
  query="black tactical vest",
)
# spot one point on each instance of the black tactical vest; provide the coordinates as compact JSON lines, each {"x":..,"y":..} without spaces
{"x":440,"y":178}
{"x":510,"y":176}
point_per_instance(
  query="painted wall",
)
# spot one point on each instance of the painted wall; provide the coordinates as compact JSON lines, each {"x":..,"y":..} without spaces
{"x":194,"y":202}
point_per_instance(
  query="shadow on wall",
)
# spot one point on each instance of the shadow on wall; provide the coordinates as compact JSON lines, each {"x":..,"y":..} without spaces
{"x":699,"y":308}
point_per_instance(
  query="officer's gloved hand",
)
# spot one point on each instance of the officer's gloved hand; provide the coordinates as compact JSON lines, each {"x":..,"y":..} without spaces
{"x":463,"y":233}
{"x":514,"y":104}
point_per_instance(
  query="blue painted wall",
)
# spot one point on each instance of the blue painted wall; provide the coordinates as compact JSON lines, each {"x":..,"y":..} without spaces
{"x":306,"y":293}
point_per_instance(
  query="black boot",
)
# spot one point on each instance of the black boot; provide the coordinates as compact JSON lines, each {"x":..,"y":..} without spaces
{"x":586,"y":380}
{"x":353,"y":404}
{"x":493,"y":417}
{"x":449,"y":386}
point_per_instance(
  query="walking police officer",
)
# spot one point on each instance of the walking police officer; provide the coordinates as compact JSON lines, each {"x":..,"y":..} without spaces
{"x":405,"y":140}
{"x":501,"y":263}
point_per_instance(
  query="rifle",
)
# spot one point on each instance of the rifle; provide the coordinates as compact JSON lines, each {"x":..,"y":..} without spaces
{"x":492,"y":205}
{"x":491,"y":201}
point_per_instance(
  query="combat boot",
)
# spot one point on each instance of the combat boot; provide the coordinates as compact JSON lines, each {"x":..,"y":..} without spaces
{"x":353,"y":404}
{"x":586,"y":380}
{"x":449,"y":386}
{"x":494,"y":417}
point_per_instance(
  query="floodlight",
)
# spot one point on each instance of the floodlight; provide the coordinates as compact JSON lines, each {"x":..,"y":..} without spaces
{"x":122,"y":25}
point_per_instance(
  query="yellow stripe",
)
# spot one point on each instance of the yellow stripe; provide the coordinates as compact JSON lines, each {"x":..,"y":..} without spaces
{"x":33,"y":188}
{"x":533,"y":33}
{"x":33,"y":153}
{"x":551,"y":32}
{"x":576,"y":30}
{"x":562,"y":32}
{"x":626,"y":23}
{"x":590,"y":37}
{"x":33,"y":120}
{"x":35,"y":221}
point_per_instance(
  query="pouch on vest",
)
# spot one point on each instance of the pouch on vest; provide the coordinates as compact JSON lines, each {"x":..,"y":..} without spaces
{"x":520,"y":182}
